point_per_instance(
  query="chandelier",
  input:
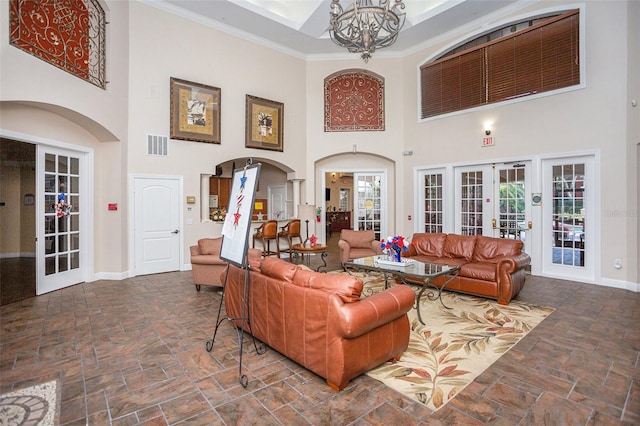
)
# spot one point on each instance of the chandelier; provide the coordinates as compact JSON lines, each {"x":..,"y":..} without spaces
{"x":363,"y":27}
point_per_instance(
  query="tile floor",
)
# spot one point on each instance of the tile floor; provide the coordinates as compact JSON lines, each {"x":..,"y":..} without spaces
{"x":133,"y":352}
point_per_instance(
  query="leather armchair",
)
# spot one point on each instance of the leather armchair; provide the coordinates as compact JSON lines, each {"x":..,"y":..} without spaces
{"x":206,"y":264}
{"x":355,"y":244}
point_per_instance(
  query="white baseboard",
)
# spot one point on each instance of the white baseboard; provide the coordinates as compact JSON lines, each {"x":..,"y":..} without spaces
{"x":16,"y":254}
{"x":625,"y":285}
{"x":113,"y":276}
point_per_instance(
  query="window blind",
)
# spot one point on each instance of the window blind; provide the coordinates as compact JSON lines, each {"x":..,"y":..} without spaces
{"x":540,"y":58}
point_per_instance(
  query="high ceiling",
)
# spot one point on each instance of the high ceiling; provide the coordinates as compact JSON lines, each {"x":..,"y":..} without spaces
{"x":299,"y":27}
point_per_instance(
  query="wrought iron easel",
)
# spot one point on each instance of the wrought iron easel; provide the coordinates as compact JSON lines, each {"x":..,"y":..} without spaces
{"x":246,"y":323}
{"x":234,"y":250}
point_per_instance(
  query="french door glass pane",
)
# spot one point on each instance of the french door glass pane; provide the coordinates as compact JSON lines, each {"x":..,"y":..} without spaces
{"x":62,"y":220}
{"x":568,"y":214}
{"x":512,"y":203}
{"x":471,"y":206}
{"x":433,"y":203}
{"x":369,"y":207}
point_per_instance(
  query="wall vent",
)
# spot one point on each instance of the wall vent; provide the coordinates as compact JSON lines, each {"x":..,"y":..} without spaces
{"x":157,"y":145}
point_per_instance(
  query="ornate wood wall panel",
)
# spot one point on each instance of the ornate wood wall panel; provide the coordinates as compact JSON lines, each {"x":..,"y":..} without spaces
{"x":69,"y":34}
{"x":353,"y":101}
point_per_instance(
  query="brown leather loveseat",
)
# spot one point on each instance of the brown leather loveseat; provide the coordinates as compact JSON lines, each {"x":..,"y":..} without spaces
{"x":490,"y":267}
{"x":318,"y":320}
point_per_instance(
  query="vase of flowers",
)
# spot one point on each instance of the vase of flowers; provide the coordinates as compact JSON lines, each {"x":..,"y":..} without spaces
{"x":394,"y":246}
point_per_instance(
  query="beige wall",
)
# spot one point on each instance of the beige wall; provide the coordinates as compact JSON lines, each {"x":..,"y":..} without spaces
{"x":193,"y":52}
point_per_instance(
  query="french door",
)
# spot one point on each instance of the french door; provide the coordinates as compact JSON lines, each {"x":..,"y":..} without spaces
{"x":370,"y":195}
{"x":483,"y":199}
{"x":62,"y":241}
{"x":557,"y":222}
{"x":568,"y":247}
{"x":492,"y":200}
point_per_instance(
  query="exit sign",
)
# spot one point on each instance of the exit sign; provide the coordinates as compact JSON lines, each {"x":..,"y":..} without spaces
{"x":488,"y":141}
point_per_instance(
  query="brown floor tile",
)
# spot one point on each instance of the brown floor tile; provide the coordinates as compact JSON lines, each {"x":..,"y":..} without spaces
{"x":132,"y":352}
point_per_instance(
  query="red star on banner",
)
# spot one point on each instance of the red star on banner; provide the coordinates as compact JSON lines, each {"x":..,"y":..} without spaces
{"x":236,"y":218}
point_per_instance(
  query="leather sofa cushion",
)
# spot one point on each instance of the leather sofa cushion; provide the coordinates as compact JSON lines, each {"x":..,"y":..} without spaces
{"x":429,"y":244}
{"x":481,"y":271}
{"x":358,"y":239}
{"x":275,"y":268}
{"x":459,"y":246}
{"x":209,"y":245}
{"x":490,"y":249}
{"x":347,"y":287}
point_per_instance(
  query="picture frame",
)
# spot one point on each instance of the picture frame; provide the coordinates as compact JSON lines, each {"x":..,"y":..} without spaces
{"x":195,"y":111}
{"x":264,"y":124}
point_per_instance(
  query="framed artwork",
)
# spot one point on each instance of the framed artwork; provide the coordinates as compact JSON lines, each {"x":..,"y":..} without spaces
{"x":264,"y":124}
{"x":195,"y":111}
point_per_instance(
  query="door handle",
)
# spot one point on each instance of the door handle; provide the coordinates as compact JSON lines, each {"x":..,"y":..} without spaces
{"x":175,"y":232}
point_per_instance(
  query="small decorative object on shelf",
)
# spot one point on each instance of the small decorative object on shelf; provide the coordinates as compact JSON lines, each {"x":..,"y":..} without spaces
{"x":218,"y":215}
{"x":313,"y":241}
{"x":394,"y":246}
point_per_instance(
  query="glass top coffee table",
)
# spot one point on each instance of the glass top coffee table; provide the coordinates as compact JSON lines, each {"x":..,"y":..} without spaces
{"x":415,"y":269}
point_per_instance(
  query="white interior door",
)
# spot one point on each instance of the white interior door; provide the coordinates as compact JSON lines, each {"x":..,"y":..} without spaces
{"x":277,"y":202}
{"x":156,"y":218}
{"x":62,"y":249}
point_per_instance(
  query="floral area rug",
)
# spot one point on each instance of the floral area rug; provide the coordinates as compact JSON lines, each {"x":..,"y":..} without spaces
{"x":35,"y":405}
{"x":455,"y":345}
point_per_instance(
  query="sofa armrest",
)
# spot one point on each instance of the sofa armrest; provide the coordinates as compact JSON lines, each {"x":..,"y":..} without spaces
{"x":375,"y":246}
{"x":358,"y":318}
{"x":195,"y":250}
{"x":344,"y":245}
{"x":512,"y":264}
{"x":207,"y":259}
{"x":345,"y":249}
{"x":411,"y":251}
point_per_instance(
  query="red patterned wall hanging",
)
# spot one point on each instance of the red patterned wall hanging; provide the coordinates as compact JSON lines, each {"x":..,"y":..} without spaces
{"x":353,"y":101}
{"x":66,"y":33}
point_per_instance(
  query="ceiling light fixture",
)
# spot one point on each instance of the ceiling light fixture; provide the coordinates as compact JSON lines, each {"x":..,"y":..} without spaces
{"x":363,"y":27}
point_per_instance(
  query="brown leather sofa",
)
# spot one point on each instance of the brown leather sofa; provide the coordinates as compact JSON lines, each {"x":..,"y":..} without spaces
{"x":318,"y":320}
{"x":490,"y":267}
{"x":206,"y":264}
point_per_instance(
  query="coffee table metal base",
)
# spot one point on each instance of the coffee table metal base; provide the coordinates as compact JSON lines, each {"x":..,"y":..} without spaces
{"x":404,"y":273}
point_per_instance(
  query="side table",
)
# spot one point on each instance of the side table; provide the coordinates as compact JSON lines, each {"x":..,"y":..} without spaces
{"x":306,"y":252}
